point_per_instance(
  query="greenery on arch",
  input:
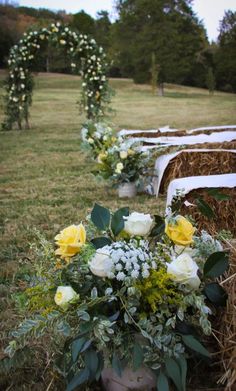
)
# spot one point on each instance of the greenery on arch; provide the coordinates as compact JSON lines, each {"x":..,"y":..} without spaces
{"x":86,"y":58}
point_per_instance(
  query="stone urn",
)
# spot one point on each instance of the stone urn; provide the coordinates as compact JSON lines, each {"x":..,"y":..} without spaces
{"x":141,"y":380}
{"x":127,"y":190}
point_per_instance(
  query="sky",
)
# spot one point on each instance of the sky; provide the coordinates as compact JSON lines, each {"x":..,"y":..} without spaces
{"x":209,"y":11}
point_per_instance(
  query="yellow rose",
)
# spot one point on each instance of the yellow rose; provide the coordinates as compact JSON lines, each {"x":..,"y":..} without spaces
{"x":180,"y":231}
{"x":101,"y":157}
{"x":119,"y":168}
{"x":131,"y":152}
{"x":70,"y":240}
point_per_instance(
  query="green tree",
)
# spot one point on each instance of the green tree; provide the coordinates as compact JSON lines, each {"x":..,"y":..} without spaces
{"x":226,"y":55}
{"x":167,"y":28}
{"x":103,"y":30}
{"x":210,"y":81}
{"x":84,"y":23}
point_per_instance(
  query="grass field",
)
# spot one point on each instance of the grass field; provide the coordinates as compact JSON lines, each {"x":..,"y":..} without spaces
{"x":45,"y":179}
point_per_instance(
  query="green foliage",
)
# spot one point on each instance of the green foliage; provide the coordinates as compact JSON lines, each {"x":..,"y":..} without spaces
{"x":100,"y":217}
{"x":117,"y":221}
{"x":205,"y":208}
{"x":138,"y":356}
{"x":101,"y":242}
{"x":9,"y":364}
{"x":84,"y":23}
{"x":159,"y":226}
{"x":216,"y":294}
{"x":169,"y":30}
{"x":162,"y":382}
{"x":192,"y":343}
{"x":216,"y":264}
{"x":210,"y":81}
{"x":225,"y":57}
{"x":174,"y":373}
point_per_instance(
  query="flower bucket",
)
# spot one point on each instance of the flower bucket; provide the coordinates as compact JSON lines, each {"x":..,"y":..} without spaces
{"x":127,"y":190}
{"x":141,"y":380}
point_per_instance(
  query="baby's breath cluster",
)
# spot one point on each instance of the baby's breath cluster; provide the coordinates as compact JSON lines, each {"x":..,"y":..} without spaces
{"x":87,"y":59}
{"x":129,"y":260}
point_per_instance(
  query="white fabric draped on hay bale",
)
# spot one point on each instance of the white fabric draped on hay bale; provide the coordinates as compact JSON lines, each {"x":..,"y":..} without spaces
{"x":185,"y":185}
{"x":215,"y":137}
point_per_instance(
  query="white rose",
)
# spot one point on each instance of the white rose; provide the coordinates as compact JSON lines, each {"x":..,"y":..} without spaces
{"x":138,"y":224}
{"x":119,"y":168}
{"x":64,"y":295}
{"x":178,"y":249}
{"x":184,"y":269}
{"x":123,"y":154}
{"x":101,"y":262}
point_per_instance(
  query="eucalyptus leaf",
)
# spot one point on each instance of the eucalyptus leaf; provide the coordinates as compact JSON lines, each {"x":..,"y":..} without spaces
{"x":76,"y":347}
{"x":117,"y":221}
{"x":100,"y":217}
{"x":159,"y":227}
{"x":182,"y":362}
{"x":174,"y":373}
{"x":162,"y":382}
{"x":217,"y":195}
{"x":101,"y":242}
{"x":216,"y":294}
{"x":91,"y":361}
{"x":138,"y":356}
{"x":205,"y":208}
{"x":78,"y":379}
{"x":216,"y":264}
{"x":195,"y":345}
{"x":116,"y":365}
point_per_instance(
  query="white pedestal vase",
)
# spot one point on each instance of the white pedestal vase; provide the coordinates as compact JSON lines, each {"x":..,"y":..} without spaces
{"x":141,"y":380}
{"x":127,"y":190}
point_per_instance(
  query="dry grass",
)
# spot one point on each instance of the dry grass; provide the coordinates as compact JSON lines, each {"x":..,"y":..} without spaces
{"x":198,"y":163}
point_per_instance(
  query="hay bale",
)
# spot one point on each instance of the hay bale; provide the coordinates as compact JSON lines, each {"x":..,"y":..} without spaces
{"x":178,"y":132}
{"x":198,"y":163}
{"x":225,"y":331}
{"x":224,"y":210}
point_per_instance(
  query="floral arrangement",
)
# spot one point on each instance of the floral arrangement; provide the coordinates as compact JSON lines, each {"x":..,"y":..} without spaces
{"x":97,"y":137}
{"x":123,"y":162}
{"x":118,"y":159}
{"x":124,"y":289}
{"x":87,"y":58}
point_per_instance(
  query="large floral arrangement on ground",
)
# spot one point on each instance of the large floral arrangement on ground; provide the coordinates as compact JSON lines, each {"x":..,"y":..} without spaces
{"x":124,"y":290}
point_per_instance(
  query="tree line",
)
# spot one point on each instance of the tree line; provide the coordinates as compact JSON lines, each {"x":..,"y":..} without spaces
{"x":155,"y":41}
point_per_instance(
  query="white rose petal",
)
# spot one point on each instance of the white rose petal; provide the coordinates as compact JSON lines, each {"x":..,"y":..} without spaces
{"x":101,"y":263}
{"x":184,"y":269}
{"x":138,"y":224}
{"x":123,"y":154}
{"x":64,"y":295}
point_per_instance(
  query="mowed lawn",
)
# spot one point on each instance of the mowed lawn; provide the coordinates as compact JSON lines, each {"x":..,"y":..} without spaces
{"x":45,"y":178}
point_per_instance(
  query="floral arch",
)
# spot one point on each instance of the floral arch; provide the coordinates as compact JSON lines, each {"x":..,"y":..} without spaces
{"x":87,"y":59}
